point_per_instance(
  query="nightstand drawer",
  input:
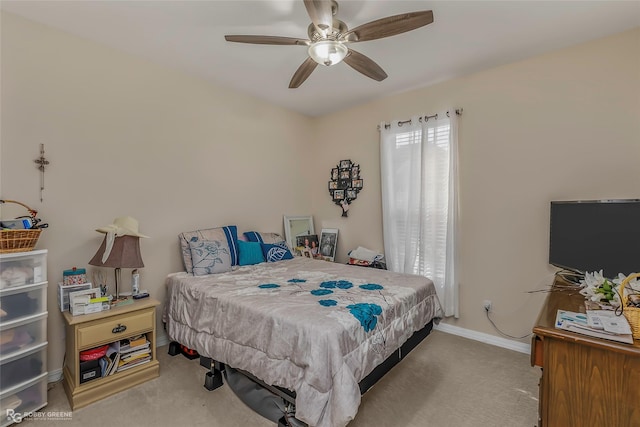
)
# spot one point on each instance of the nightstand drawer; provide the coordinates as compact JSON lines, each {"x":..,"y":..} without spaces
{"x":113,"y":328}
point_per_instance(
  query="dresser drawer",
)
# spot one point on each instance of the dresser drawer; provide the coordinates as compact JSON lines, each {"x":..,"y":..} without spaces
{"x":115,"y":328}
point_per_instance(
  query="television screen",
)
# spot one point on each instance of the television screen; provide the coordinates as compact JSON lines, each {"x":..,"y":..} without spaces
{"x":596,"y":235}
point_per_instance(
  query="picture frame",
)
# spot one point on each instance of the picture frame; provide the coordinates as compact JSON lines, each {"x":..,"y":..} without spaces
{"x":345,"y":164}
{"x":334,"y":174}
{"x":299,"y":225}
{"x":333,"y":185}
{"x":328,"y":243}
{"x":352,"y":193}
{"x":307,"y":243}
{"x":355,"y":172}
{"x":357,"y":183}
{"x":338,"y":195}
{"x":345,"y":174}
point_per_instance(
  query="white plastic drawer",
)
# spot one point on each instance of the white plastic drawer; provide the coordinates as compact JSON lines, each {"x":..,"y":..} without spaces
{"x":24,"y":397}
{"x":23,"y":367}
{"x":20,"y":302}
{"x":22,"y":335}
{"x":23,"y":268}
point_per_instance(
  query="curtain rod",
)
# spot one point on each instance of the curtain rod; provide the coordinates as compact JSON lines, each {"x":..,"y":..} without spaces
{"x":421,"y":118}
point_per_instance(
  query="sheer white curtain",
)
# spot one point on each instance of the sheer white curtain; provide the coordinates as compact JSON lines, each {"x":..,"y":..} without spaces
{"x":419,"y":169}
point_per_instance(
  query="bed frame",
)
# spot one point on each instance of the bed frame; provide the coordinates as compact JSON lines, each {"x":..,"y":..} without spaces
{"x":214,"y":377}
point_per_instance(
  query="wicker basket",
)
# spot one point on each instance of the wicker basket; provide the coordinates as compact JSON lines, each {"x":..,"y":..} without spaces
{"x":631,"y":313}
{"x":19,"y":240}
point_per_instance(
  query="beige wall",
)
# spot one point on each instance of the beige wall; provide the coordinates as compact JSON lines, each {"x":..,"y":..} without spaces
{"x":561,"y":126}
{"x":127,"y":137}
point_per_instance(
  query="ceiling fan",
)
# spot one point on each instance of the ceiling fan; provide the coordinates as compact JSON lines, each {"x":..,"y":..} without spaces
{"x":328,"y":39}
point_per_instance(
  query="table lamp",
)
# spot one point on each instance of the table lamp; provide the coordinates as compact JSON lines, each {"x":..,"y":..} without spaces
{"x":120,"y":248}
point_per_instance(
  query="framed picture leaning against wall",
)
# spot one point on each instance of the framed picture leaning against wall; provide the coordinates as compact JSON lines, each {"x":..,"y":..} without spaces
{"x":328,"y":243}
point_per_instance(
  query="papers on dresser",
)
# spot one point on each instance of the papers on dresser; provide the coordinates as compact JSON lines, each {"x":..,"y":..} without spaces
{"x":593,"y":324}
{"x":609,"y":321}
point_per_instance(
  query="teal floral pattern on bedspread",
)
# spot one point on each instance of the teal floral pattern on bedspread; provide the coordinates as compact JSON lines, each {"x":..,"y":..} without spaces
{"x":366,"y":313}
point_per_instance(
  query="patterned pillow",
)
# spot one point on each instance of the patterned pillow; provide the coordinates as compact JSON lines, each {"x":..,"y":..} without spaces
{"x":210,"y":257}
{"x":256,"y":236}
{"x":249,"y":253}
{"x":228,"y":233}
{"x":276,"y":252}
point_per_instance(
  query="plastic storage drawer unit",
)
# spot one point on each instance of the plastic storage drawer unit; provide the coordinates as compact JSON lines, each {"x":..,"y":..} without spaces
{"x":23,"y":334}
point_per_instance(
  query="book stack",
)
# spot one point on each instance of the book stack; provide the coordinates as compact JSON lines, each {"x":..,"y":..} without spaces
{"x":134,"y":351}
{"x":109,"y":363}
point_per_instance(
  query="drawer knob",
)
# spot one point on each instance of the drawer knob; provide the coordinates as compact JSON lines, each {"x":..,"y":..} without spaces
{"x":119,"y":328}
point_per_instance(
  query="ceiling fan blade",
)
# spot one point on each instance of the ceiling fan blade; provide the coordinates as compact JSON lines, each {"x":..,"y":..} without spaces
{"x":268,"y":40}
{"x":302,"y":73}
{"x":320,"y":13}
{"x":365,"y":65}
{"x":389,"y":26}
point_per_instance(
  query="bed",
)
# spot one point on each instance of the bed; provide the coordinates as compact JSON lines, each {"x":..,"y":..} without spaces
{"x":315,"y":328}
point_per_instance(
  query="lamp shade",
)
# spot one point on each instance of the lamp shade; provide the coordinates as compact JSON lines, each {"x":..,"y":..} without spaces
{"x":124,"y":254}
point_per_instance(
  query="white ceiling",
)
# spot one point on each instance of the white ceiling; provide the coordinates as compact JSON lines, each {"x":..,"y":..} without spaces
{"x":465,"y":37}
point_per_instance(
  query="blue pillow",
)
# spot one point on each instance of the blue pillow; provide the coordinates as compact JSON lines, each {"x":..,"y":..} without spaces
{"x":210,"y":257}
{"x":253,"y":236}
{"x":276,"y":252}
{"x":256,"y":236}
{"x":249,"y":253}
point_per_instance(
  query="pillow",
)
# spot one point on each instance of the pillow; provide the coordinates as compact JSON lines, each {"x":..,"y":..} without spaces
{"x":210,"y":257}
{"x":276,"y":252}
{"x":255,"y":236}
{"x":249,"y":253}
{"x":228,"y":233}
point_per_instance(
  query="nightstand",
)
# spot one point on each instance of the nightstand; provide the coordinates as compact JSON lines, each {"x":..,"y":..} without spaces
{"x":93,"y":330}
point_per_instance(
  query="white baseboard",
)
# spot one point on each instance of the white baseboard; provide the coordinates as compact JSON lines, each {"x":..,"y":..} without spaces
{"x":54,"y":376}
{"x":161,"y":338}
{"x":485,"y":338}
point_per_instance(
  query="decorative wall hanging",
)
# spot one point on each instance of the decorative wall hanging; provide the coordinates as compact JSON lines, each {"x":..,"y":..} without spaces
{"x":42,"y":163}
{"x":345,"y":184}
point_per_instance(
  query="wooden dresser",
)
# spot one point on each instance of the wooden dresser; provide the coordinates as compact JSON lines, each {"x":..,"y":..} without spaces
{"x":585,"y":381}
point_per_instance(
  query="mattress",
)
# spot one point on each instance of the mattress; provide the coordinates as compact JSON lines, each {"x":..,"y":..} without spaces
{"x":314,"y":327}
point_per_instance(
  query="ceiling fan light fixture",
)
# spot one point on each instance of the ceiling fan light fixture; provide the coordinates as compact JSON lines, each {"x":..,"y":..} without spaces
{"x":328,"y":52}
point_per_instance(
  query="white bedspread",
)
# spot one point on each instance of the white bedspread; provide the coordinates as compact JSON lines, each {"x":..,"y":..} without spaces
{"x":311,"y":326}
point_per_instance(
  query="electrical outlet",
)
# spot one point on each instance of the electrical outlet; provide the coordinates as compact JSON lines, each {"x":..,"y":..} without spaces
{"x":487,"y":305}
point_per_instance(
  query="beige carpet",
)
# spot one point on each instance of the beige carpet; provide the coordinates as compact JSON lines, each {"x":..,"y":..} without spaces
{"x":447,"y":381}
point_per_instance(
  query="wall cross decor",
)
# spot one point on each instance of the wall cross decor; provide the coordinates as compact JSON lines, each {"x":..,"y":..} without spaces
{"x":42,"y":163}
{"x":345,"y":184}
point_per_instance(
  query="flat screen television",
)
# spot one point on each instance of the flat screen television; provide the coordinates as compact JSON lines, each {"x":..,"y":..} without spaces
{"x":594,"y":235}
